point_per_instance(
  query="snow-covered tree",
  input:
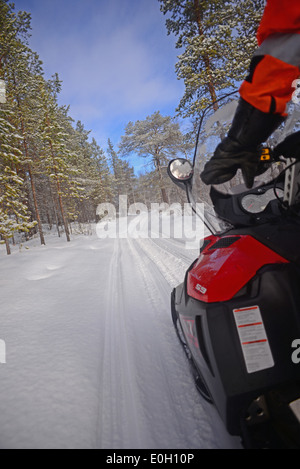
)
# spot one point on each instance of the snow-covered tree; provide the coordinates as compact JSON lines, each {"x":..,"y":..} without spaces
{"x":102,"y":190}
{"x":123,"y":175}
{"x":13,"y":28}
{"x":23,"y":74}
{"x":94,"y":176}
{"x":57,"y":157}
{"x":14,"y":31}
{"x":14,"y":214}
{"x":57,"y":175}
{"x":218,"y":38}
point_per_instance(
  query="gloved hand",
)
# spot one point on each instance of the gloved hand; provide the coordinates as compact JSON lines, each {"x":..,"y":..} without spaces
{"x":242,"y":148}
{"x":229,"y":156}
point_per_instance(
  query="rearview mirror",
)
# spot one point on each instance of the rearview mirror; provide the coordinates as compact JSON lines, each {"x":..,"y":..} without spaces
{"x":180,"y":171}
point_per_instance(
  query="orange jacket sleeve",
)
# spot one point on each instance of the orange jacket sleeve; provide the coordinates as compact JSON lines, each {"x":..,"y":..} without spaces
{"x":280,"y":16}
{"x":276,"y":63}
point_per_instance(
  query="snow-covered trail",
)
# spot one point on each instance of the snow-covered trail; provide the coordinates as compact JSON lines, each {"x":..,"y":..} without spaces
{"x":92,"y":357}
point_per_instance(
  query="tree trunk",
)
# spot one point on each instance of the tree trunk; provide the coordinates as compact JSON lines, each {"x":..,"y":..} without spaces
{"x":162,"y":188}
{"x":49,"y":220}
{"x":7,"y":246}
{"x":37,"y":213}
{"x":54,"y":209}
{"x":65,"y":222}
{"x":211,"y":87}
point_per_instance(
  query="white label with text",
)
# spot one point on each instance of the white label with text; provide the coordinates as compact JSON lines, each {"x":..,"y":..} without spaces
{"x":253,"y":339}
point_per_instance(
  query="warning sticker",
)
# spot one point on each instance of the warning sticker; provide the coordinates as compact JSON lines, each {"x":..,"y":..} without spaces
{"x":253,"y":338}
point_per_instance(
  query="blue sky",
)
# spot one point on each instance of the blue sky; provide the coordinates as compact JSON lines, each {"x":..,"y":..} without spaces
{"x":114,"y":57}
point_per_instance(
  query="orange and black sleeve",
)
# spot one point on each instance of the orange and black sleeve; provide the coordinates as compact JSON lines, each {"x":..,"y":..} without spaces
{"x":276,"y":64}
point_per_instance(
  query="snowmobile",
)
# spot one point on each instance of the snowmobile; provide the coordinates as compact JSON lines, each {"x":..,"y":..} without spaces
{"x":237,"y":312}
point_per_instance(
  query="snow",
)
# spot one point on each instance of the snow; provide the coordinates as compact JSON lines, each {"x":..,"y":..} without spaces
{"x":92,"y":359}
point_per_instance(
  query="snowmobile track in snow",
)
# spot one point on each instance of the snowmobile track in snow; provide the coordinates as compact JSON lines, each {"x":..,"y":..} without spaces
{"x":147,"y":392}
{"x":177,"y":249}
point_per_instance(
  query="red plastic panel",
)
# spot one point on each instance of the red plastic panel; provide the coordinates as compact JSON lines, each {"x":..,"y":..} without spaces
{"x":220,"y":273}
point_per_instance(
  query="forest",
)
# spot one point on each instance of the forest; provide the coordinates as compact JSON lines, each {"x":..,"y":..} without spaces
{"x":53,"y":175}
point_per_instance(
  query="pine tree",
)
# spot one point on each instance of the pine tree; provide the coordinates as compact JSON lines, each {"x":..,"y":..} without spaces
{"x":124,"y":178}
{"x":158,"y":138}
{"x":13,"y":202}
{"x":13,"y":28}
{"x":56,"y":155}
{"x":13,"y":212}
{"x":102,"y":191}
{"x":52,"y":172}
{"x":95,"y":176}
{"x":23,"y":74}
{"x":218,"y":40}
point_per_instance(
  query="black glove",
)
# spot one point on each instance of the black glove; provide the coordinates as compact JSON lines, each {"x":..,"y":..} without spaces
{"x":229,"y":156}
{"x":242,"y":148}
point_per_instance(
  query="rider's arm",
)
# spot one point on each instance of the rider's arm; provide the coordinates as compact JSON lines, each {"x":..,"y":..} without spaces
{"x":264,"y":95}
{"x":275,"y":65}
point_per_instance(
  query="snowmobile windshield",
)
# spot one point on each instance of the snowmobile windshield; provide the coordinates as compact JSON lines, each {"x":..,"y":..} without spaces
{"x":213,"y":129}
